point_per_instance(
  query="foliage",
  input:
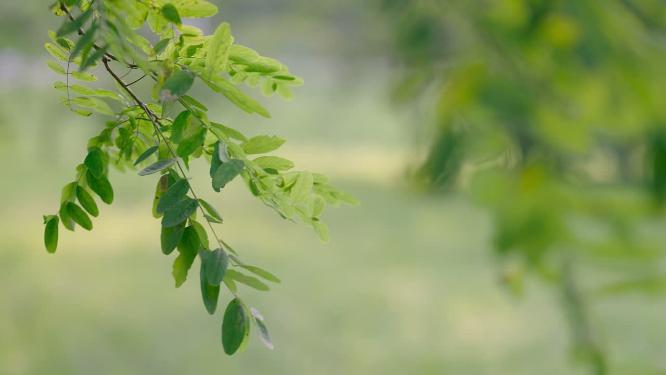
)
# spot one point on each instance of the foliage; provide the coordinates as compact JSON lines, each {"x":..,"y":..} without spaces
{"x":549,"y":114}
{"x":158,"y":139}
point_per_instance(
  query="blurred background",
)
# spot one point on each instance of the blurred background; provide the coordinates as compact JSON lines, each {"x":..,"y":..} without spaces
{"x":451,"y":265}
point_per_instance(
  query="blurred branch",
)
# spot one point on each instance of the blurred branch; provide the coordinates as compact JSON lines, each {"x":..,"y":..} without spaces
{"x":585,"y":342}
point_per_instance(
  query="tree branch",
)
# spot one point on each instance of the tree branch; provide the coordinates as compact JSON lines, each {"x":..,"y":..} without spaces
{"x":154,"y":119}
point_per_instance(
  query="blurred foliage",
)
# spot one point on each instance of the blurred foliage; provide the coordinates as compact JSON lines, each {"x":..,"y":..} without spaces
{"x":550,"y":114}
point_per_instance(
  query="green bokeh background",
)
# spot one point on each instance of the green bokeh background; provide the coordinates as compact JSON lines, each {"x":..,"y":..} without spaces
{"x":408,"y":284}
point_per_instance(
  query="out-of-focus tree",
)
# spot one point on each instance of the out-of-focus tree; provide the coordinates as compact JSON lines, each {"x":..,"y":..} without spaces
{"x":550,"y":114}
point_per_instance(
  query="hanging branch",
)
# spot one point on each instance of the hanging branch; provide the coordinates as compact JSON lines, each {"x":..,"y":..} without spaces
{"x":105,"y":31}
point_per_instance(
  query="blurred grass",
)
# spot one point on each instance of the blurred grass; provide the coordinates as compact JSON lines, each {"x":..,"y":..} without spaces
{"x":406,"y":285}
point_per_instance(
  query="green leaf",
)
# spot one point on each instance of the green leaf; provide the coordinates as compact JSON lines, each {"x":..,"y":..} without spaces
{"x":73,"y":26}
{"x":176,"y":193}
{"x":56,"y":52}
{"x":215,"y":162}
{"x":161,"y":45}
{"x":87,"y":201}
{"x":68,"y":192}
{"x":218,"y":50}
{"x":188,"y":248}
{"x":201,"y":232}
{"x":236,"y":96}
{"x":209,"y":293}
{"x":177,"y":85}
{"x":146,"y":154}
{"x":303,"y":186}
{"x":101,"y":186}
{"x":262,"y":273}
{"x":57,"y":68}
{"x":181,"y":266}
{"x":215,"y":264}
{"x":227,"y":172}
{"x":179,"y":212}
{"x":65,"y":219}
{"x":264,"y":336}
{"x":194,"y":103}
{"x":195,"y":8}
{"x":235,"y":326}
{"x":95,"y":162}
{"x":211,"y":211}
{"x":250,"y":281}
{"x":83,"y":76}
{"x":191,"y":144}
{"x":322,"y":230}
{"x":157,"y":167}
{"x":170,"y":12}
{"x":229,"y":132}
{"x":189,"y":243}
{"x":170,"y":237}
{"x":262,"y":144}
{"x":79,"y":216}
{"x":93,"y":58}
{"x":178,"y":127}
{"x":85,"y":42}
{"x":274,"y":162}
{"x":51,"y":233}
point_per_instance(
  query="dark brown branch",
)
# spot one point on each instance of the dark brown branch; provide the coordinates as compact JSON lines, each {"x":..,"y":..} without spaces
{"x":137,"y":80}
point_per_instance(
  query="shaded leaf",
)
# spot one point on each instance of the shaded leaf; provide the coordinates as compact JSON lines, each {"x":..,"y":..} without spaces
{"x":73,"y":26}
{"x":157,"y":167}
{"x":209,"y":293}
{"x":211,"y":211}
{"x":146,"y":154}
{"x":101,"y":186}
{"x":179,"y":212}
{"x":235,"y":326}
{"x":215,"y":264}
{"x":170,"y":237}
{"x":177,"y":85}
{"x":170,"y":12}
{"x":175,"y":193}
{"x":227,"y":172}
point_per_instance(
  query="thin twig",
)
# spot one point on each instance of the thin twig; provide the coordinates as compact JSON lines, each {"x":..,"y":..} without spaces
{"x":137,"y":80}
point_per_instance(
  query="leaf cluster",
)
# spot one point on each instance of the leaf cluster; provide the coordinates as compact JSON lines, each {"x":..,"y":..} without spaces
{"x":159,"y":137}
